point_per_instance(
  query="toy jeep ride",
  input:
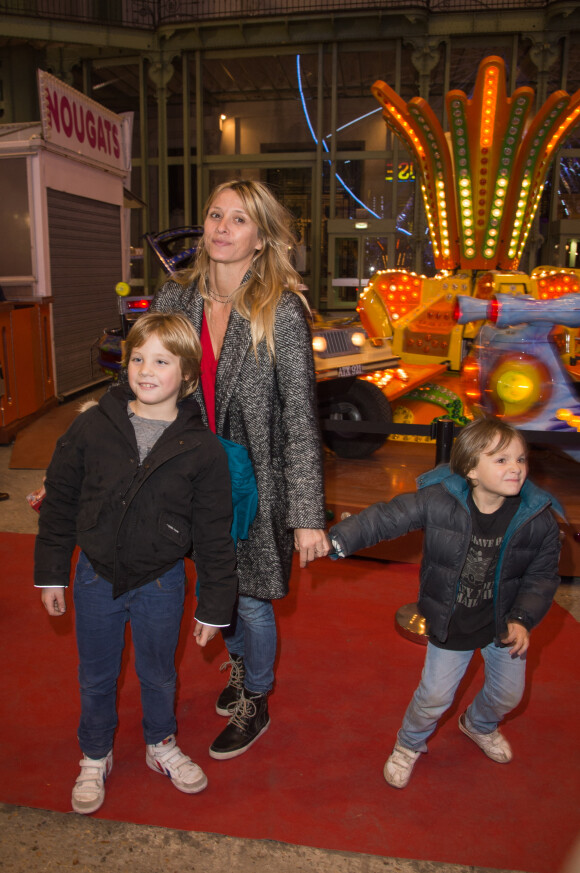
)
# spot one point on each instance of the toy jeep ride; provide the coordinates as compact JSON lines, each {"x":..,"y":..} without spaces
{"x":342,"y":352}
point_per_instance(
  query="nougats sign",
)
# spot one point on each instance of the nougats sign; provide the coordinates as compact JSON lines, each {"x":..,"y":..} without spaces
{"x":79,"y":124}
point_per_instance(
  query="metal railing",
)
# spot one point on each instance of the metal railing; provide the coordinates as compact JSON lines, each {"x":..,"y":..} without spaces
{"x":443,"y":431}
{"x":150,"y":14}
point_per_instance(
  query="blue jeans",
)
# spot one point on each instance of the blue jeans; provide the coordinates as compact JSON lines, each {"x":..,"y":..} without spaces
{"x":155,"y":613}
{"x":252,"y":634}
{"x":443,"y":671}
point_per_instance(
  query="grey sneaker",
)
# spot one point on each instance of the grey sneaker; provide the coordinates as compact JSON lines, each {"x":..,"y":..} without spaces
{"x":166,"y":757}
{"x":494,"y":744}
{"x":88,"y":793}
{"x":400,"y":765}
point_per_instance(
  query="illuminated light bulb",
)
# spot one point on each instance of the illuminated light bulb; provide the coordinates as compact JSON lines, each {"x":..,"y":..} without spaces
{"x":358,"y":339}
{"x":319,"y":344}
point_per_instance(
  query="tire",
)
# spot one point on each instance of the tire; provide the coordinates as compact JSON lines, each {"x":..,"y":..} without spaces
{"x":358,"y":401}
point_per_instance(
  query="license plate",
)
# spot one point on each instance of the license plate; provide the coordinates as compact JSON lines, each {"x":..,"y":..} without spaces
{"x":351,"y":370}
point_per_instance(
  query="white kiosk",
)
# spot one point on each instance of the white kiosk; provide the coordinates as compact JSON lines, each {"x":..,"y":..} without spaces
{"x":64,"y":242}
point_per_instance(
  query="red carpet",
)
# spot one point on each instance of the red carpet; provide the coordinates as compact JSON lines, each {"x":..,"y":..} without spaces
{"x":315,"y":778}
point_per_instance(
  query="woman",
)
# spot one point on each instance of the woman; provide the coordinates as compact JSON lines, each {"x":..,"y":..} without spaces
{"x":257,"y":389}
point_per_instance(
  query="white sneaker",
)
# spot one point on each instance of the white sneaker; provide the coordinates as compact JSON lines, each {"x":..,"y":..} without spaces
{"x":494,"y":744}
{"x":166,"y":757}
{"x":88,"y":793}
{"x":400,"y":765}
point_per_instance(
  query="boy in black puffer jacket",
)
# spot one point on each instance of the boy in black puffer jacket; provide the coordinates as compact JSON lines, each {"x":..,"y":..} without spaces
{"x":488,"y":576}
{"x":135,"y":482}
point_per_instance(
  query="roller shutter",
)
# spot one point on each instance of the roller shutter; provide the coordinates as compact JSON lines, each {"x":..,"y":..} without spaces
{"x":85,"y":265}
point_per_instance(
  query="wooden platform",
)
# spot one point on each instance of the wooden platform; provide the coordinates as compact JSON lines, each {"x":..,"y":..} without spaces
{"x":352,"y":485}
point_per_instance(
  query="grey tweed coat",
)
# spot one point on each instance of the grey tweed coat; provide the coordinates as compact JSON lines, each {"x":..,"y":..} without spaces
{"x":270,"y":408}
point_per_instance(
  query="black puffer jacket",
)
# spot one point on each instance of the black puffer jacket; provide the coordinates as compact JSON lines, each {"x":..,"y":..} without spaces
{"x":526,"y":575}
{"x":135,"y":521}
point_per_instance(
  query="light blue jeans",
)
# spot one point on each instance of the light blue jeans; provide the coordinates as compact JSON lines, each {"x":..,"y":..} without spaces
{"x":443,"y":670}
{"x":252,"y":634}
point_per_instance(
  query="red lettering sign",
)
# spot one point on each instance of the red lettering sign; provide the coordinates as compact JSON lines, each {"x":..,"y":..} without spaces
{"x":78,"y":123}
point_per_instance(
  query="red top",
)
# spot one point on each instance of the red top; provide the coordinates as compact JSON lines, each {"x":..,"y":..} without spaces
{"x":208,"y":372}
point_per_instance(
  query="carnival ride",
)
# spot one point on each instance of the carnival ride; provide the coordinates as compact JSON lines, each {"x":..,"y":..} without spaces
{"x":514,"y":369}
{"x":481,"y":186}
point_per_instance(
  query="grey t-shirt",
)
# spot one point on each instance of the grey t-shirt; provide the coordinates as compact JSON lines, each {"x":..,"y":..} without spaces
{"x":147,"y":432}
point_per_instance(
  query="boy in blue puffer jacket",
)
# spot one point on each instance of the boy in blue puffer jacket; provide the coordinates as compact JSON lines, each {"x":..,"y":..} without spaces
{"x":488,"y":576}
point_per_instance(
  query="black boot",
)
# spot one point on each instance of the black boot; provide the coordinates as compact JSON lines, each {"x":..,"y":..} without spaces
{"x":249,"y":721}
{"x":233,"y":690}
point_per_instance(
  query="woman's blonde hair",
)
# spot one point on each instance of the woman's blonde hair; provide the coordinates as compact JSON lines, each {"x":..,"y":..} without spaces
{"x":482,"y":436}
{"x":271,"y":270}
{"x":179,"y":337}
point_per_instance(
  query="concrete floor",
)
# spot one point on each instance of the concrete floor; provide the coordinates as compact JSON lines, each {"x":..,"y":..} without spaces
{"x":36,"y":841}
{"x":39,"y":841}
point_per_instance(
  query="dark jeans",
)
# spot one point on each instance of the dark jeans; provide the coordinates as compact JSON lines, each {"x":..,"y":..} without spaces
{"x":155,"y":613}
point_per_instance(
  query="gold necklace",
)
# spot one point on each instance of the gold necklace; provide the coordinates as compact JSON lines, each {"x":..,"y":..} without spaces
{"x":224,"y":299}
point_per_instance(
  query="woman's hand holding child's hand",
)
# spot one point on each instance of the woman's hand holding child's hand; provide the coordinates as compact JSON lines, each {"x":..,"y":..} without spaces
{"x":311,"y":543}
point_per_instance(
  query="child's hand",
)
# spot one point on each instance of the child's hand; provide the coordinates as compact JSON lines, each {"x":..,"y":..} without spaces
{"x":519,"y":636}
{"x":54,"y":602}
{"x":203,"y":633}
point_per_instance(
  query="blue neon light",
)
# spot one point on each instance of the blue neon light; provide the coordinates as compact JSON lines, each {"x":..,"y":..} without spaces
{"x":324,"y":144}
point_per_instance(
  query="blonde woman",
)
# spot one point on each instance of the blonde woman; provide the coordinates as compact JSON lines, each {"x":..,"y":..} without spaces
{"x":258,"y":389}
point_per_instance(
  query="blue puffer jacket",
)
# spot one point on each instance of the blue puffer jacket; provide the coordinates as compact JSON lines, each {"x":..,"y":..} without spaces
{"x":526,"y":575}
